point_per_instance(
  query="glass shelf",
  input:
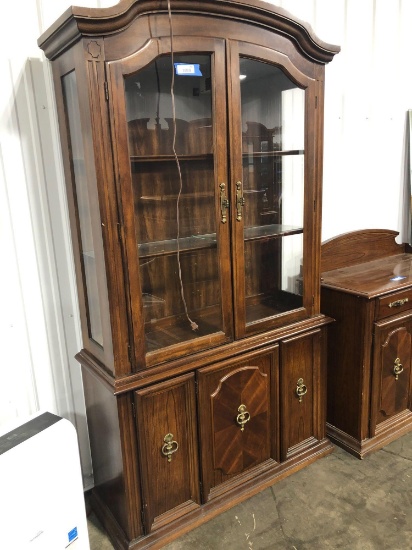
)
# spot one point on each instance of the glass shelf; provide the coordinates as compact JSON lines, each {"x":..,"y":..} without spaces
{"x":197,"y":242}
{"x":170,"y":158}
{"x":261,"y":154}
{"x":169,"y":246}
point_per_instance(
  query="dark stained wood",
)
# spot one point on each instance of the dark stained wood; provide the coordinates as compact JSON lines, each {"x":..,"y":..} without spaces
{"x":150,"y":372}
{"x":170,"y":488}
{"x":393,"y":347}
{"x":371,"y":302}
{"x":227,"y":452}
{"x":359,"y":247}
{"x":97,"y":21}
{"x":113,"y":448}
{"x":301,"y":360}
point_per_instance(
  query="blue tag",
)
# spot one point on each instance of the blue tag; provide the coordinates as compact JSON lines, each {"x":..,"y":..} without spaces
{"x":398,"y":278}
{"x":188,"y":69}
{"x":72,"y":534}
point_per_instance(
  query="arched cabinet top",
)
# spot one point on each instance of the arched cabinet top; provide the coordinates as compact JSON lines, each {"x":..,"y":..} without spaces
{"x":77,"y":22}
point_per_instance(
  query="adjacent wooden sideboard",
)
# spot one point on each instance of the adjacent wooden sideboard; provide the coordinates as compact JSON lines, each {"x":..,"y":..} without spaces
{"x":367,"y":288}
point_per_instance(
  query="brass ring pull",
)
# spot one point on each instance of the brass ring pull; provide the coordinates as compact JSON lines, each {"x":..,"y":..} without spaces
{"x":399,"y":303}
{"x":242,"y":417}
{"x":301,"y":389}
{"x":397,"y":368}
{"x":169,"y":446}
{"x":240,"y":200}
{"x":224,"y":202}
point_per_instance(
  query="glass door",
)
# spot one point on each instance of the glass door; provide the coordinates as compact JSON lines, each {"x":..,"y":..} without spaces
{"x":175,"y":119}
{"x":268,"y":169}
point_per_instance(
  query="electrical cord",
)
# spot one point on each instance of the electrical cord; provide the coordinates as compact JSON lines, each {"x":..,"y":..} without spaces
{"x":194,"y":326}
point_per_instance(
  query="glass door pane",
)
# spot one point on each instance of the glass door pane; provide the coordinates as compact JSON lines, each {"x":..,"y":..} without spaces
{"x":270,"y":198}
{"x":90,"y":240}
{"x":173,"y":181}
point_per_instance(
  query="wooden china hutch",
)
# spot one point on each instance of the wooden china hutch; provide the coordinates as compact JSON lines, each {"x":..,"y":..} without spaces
{"x":192,"y":136}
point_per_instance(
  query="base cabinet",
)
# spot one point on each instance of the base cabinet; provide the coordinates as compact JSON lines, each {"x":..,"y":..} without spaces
{"x":369,"y":353}
{"x":241,"y":423}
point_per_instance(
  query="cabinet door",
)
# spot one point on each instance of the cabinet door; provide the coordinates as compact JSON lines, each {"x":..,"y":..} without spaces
{"x":169,"y":115}
{"x":166,"y":423}
{"x":391,"y":393}
{"x":238,"y":421}
{"x":274,"y":186}
{"x":302,"y":392}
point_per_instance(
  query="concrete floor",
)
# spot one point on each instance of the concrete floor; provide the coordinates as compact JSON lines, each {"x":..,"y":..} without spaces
{"x":337,"y":502}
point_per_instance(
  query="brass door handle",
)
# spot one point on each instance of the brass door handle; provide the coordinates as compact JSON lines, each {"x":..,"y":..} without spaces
{"x":301,"y":389}
{"x":240,"y":201}
{"x":397,"y":368}
{"x":224,"y":202}
{"x":399,"y":303}
{"x":242,"y":417}
{"x":169,"y":446}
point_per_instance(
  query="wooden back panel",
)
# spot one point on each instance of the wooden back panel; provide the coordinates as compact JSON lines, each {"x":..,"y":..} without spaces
{"x":357,"y":247}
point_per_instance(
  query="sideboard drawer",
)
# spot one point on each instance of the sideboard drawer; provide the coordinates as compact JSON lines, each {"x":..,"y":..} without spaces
{"x":394,"y":303}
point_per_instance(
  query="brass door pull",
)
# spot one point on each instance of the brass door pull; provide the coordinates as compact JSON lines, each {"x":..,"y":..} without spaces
{"x":224,"y":202}
{"x":240,"y":200}
{"x":399,"y":303}
{"x":397,"y":368}
{"x":301,"y":389}
{"x":242,"y":417}
{"x":169,"y":446}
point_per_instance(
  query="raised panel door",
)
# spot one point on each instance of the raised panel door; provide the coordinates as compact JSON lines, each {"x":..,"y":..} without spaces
{"x":238,"y":420}
{"x":301,"y":395}
{"x":391,"y":371}
{"x":166,"y":424}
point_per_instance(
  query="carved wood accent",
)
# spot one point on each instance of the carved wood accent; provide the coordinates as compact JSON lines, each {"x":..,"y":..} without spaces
{"x":96,"y":21}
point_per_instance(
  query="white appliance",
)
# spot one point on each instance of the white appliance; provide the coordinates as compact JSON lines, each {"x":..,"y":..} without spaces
{"x":41,"y":492}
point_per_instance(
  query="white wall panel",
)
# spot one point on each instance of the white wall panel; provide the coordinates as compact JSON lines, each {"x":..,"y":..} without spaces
{"x":367,"y":95}
{"x":40,"y":327}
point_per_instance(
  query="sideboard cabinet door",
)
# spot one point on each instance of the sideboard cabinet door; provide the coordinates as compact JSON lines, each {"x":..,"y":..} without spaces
{"x":302,"y":369}
{"x":238,"y":421}
{"x":391,"y":372}
{"x":166,"y":424}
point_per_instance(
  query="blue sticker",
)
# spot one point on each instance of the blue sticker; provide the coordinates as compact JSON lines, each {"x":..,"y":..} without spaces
{"x":72,"y":534}
{"x":398,"y":278}
{"x":188,"y":69}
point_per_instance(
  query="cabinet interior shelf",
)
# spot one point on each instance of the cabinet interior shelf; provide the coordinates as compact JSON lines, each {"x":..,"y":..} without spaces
{"x":260,"y":154}
{"x":198,"y":242}
{"x":183,"y":196}
{"x":170,"y":158}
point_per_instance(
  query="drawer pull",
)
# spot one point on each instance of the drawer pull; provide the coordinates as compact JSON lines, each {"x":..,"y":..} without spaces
{"x":399,"y":303}
{"x":169,"y":446}
{"x":301,"y":389}
{"x":397,"y":368}
{"x":242,"y":417}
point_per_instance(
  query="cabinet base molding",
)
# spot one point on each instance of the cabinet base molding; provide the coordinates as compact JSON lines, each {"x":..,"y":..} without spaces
{"x":388,"y":432}
{"x":166,"y":534}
